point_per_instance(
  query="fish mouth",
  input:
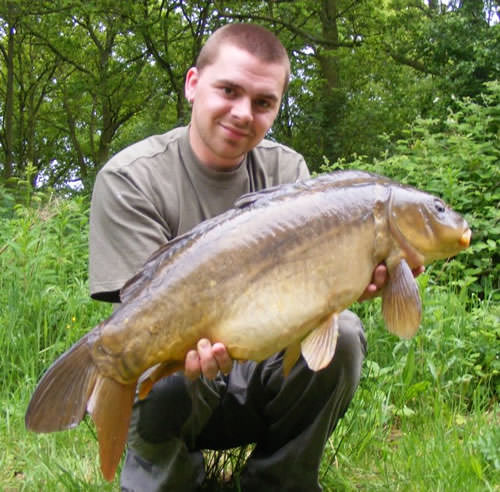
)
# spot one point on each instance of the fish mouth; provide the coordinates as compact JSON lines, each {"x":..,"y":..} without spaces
{"x":465,"y":239}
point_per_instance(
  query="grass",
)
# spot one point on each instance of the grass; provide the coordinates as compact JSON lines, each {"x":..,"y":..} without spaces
{"x":425,"y":416}
{"x":420,"y":420}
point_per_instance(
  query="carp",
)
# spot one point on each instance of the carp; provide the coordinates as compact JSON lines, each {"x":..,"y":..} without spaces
{"x":272,"y":273}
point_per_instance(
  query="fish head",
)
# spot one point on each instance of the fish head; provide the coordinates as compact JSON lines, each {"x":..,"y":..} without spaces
{"x":426,"y":227}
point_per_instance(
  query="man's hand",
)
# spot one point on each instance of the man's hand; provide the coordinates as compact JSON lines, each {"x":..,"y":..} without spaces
{"x":208,"y":360}
{"x":379,"y":279}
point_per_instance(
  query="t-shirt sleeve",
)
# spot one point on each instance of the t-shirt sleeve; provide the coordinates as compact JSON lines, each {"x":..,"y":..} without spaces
{"x":125,"y":228}
{"x":292,"y":168}
{"x":273,"y":164}
{"x":303,"y":170}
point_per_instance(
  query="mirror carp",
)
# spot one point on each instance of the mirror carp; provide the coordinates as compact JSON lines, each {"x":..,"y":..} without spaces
{"x":272,"y":273}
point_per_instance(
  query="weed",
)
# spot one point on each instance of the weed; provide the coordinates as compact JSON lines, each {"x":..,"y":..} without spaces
{"x":424,"y":418}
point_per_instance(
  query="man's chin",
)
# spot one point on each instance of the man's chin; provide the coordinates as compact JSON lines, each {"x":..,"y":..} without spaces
{"x":233,"y":150}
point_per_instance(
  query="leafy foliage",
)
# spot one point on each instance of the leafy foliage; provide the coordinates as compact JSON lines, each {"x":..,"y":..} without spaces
{"x":457,"y":159}
{"x":43,"y":292}
{"x":82,"y":79}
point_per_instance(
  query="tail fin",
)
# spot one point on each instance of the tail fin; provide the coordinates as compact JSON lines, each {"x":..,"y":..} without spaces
{"x":60,"y":399}
{"x":72,"y":386}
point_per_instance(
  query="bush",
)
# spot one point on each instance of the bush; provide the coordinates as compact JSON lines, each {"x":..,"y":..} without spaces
{"x":459,"y":160}
{"x":43,"y":289}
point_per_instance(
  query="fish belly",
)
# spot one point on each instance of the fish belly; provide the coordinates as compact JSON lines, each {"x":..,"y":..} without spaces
{"x":295,"y":295}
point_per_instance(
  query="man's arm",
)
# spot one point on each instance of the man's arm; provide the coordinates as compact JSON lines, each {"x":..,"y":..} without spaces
{"x":125,"y":228}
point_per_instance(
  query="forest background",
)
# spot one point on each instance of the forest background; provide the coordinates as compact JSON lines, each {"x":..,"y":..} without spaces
{"x":405,"y":88}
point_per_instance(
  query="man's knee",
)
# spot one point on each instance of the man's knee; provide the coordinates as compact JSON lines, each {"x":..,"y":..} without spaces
{"x":159,"y":418}
{"x":351,"y":345}
{"x":352,"y":333}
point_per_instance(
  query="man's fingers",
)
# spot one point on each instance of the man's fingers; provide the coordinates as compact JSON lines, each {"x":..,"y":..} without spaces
{"x":379,"y":276}
{"x":224,"y":362}
{"x":207,"y":359}
{"x":208,"y":363}
{"x":192,"y":367}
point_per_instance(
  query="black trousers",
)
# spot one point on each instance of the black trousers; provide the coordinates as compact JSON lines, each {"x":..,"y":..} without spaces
{"x":289,"y":420}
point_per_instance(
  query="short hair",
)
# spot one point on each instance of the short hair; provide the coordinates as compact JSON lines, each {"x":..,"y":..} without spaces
{"x":253,"y":38}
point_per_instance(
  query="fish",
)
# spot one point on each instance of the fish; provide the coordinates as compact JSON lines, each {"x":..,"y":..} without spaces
{"x":272,"y":273}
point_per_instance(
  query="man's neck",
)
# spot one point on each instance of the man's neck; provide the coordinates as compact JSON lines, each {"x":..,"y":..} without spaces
{"x":206,"y":157}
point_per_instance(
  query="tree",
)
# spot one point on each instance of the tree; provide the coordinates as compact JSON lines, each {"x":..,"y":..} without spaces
{"x":107,"y":74}
{"x":7,"y":51}
{"x":26,"y":95}
{"x":78,"y":76}
{"x":104,"y":81}
{"x":453,"y":45}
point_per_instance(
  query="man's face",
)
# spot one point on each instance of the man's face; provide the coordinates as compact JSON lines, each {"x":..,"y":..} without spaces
{"x":235,"y":101}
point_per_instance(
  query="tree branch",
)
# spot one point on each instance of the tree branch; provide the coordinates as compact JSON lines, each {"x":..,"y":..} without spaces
{"x":404,"y":60}
{"x":300,"y":32}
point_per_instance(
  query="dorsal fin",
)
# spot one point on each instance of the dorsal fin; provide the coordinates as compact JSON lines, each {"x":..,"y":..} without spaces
{"x":135,"y":284}
{"x":336,"y":178}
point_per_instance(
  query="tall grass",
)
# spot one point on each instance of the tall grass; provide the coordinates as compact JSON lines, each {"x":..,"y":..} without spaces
{"x":45,"y":307}
{"x":425,"y":416}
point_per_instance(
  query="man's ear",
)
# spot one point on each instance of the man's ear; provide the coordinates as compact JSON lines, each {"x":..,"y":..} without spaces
{"x":191,"y":83}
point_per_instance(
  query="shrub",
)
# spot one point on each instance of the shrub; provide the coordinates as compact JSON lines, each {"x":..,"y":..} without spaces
{"x":459,"y":160}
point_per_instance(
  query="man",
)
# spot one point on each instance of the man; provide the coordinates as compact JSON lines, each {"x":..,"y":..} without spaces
{"x":162,"y":187}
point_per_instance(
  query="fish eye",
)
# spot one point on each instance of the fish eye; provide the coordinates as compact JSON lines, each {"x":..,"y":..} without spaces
{"x":439,"y":206}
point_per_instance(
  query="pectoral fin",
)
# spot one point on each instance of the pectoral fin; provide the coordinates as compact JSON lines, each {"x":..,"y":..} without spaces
{"x":318,"y":348}
{"x":401,"y":304}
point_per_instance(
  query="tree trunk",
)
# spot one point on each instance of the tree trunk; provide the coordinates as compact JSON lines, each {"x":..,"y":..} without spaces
{"x":332,"y":98}
{"x":9,"y":98}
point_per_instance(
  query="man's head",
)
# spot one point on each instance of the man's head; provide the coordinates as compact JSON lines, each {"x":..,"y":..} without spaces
{"x":236,"y":89}
{"x":254,"y":39}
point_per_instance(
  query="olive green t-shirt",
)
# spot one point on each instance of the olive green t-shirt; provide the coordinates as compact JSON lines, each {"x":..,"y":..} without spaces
{"x":157,"y":189}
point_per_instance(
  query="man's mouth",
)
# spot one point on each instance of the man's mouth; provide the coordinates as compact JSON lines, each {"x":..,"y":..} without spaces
{"x":235,"y":132}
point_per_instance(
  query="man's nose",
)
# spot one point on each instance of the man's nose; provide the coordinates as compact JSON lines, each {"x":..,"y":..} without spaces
{"x":242,"y":109}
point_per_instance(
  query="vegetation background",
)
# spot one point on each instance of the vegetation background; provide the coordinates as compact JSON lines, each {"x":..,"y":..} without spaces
{"x":405,"y":88}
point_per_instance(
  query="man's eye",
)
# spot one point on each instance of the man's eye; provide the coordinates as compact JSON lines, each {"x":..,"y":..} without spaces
{"x":228,"y":91}
{"x":263,"y":104}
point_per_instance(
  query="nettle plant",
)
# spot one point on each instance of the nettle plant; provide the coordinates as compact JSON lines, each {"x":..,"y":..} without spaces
{"x":458,"y":159}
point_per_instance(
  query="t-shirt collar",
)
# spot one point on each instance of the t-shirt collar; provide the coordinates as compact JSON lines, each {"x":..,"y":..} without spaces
{"x":208,"y":172}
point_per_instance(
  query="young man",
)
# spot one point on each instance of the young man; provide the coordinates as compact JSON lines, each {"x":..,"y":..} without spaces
{"x":162,"y":187}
